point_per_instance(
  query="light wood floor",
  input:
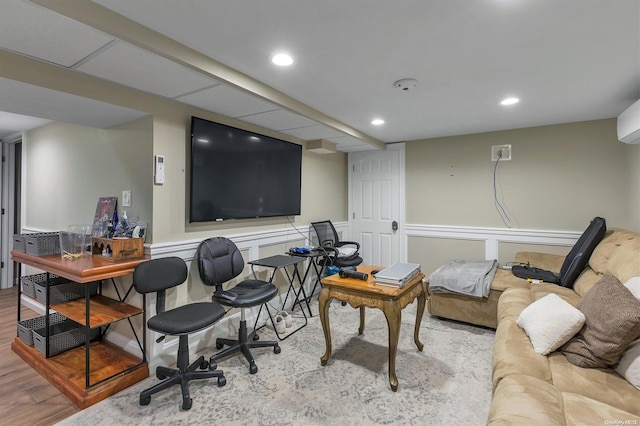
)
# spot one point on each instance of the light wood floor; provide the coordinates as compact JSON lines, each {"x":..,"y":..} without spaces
{"x":26,"y":398}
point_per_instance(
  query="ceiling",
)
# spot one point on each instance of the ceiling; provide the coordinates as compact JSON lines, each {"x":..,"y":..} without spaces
{"x":567,"y":61}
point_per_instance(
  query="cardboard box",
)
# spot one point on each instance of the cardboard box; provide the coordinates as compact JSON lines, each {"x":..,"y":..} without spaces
{"x":115,"y":249}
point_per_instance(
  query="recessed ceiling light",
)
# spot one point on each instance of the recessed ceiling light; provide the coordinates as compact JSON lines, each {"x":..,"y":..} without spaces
{"x":377,"y":122}
{"x":282,"y":59}
{"x":509,"y":101}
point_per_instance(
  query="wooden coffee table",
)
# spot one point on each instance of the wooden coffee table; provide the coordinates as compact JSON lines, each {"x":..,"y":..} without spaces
{"x":361,"y":294}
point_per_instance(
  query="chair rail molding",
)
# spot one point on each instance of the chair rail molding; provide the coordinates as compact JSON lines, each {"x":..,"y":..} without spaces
{"x":492,"y":237}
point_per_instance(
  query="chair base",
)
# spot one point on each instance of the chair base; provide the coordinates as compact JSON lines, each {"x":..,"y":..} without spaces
{"x":243,"y":344}
{"x":182,"y":375}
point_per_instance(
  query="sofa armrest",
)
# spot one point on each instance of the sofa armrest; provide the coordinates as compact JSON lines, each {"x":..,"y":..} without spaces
{"x":550,"y":262}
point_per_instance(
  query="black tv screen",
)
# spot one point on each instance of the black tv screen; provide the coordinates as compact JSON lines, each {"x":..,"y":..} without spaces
{"x":237,"y":174}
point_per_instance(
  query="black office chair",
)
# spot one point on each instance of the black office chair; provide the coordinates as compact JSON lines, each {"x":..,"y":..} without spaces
{"x":157,"y":276}
{"x":338,"y":253}
{"x":219,"y":261}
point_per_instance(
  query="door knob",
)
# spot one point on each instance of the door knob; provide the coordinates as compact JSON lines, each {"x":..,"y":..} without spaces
{"x":394,"y":226}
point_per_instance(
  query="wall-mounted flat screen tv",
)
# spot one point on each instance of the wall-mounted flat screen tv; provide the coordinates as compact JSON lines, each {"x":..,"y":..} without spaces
{"x":237,"y":174}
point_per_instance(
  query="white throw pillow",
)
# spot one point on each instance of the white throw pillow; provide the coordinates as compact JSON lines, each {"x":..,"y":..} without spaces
{"x":629,"y":365}
{"x":550,"y":322}
{"x":633,"y":284}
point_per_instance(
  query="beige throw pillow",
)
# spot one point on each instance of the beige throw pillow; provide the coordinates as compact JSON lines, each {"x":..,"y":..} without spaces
{"x":612,"y":316}
{"x":629,"y":365}
{"x":550,"y":322}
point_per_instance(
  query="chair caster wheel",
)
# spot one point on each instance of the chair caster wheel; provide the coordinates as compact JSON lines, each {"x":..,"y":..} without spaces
{"x":204,"y":365}
{"x":253,"y":369}
{"x":212,"y":365}
{"x":219,"y":346}
{"x":187,"y":403}
{"x":145,"y":400}
{"x":276,"y":349}
{"x":256,"y":337}
{"x":343,"y":303}
{"x":160,"y":376}
{"x":222,"y":381}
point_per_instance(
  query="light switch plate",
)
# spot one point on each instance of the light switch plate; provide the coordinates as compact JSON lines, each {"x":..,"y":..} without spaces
{"x":126,"y":198}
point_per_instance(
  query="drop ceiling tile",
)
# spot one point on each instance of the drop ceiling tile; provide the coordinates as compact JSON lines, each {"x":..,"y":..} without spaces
{"x":40,"y":33}
{"x":278,"y":120}
{"x":314,"y":132}
{"x":227,"y":101}
{"x":131,"y":66}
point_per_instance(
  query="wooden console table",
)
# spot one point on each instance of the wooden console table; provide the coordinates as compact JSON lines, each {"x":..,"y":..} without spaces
{"x":390,"y":300}
{"x":95,"y":371}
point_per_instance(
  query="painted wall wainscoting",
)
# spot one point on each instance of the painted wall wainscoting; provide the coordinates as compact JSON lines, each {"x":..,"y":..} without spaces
{"x":433,"y":245}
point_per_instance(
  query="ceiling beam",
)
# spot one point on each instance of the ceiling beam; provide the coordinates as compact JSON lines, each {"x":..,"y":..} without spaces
{"x":110,"y":22}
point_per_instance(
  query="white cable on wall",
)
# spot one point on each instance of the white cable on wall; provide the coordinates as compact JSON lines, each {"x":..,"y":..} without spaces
{"x":499,"y":207}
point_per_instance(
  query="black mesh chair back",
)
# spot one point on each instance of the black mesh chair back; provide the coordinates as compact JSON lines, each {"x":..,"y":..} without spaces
{"x":157,"y":276}
{"x":328,"y":239}
{"x":219,"y":261}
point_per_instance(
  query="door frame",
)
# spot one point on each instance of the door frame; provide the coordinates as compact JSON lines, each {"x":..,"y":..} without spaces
{"x":8,"y":220}
{"x":402,"y":236}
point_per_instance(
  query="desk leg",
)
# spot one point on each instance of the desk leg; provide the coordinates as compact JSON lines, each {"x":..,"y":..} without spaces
{"x":394,"y":317}
{"x":324,"y":303}
{"x":361,"y":328}
{"x":422,"y":300}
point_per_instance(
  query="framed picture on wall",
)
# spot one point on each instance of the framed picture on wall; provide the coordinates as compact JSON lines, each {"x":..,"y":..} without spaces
{"x":104,"y":215}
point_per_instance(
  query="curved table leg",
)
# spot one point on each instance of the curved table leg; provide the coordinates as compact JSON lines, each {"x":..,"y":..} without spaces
{"x":323,"y":304}
{"x":422,"y":301}
{"x":361,"y":328}
{"x":394,"y":318}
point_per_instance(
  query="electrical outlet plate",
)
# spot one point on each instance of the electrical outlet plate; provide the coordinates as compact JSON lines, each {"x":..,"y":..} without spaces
{"x":497,"y":149}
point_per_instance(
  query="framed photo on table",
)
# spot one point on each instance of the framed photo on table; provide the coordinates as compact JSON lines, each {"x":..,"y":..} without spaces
{"x":104,"y":214}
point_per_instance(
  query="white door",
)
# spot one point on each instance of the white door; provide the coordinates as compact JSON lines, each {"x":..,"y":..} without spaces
{"x":377,"y":204}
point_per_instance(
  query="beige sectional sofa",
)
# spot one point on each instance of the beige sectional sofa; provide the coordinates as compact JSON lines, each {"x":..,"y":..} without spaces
{"x":530,"y":388}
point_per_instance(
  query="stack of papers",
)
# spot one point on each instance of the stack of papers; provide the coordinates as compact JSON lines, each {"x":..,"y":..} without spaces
{"x":397,"y":275}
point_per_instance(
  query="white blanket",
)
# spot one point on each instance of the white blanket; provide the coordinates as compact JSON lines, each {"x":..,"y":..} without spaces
{"x":471,"y":278}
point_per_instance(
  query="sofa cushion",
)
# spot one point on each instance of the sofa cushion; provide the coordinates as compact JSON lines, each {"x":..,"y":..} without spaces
{"x":525,"y":400}
{"x":612,"y":239}
{"x":548,"y":261}
{"x":624,"y":262}
{"x":550,"y":322}
{"x":609,"y":328}
{"x":504,"y":279}
{"x":512,"y":351}
{"x":587,"y":279}
{"x":600,"y":384}
{"x":580,"y":410}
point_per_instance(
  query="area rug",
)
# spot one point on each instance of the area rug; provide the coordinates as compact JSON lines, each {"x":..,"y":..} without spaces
{"x":449,"y":382}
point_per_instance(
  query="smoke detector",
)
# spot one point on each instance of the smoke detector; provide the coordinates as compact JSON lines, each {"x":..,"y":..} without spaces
{"x":406,"y":84}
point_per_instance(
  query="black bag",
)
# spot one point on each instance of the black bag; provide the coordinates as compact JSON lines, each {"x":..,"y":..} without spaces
{"x":531,"y":272}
